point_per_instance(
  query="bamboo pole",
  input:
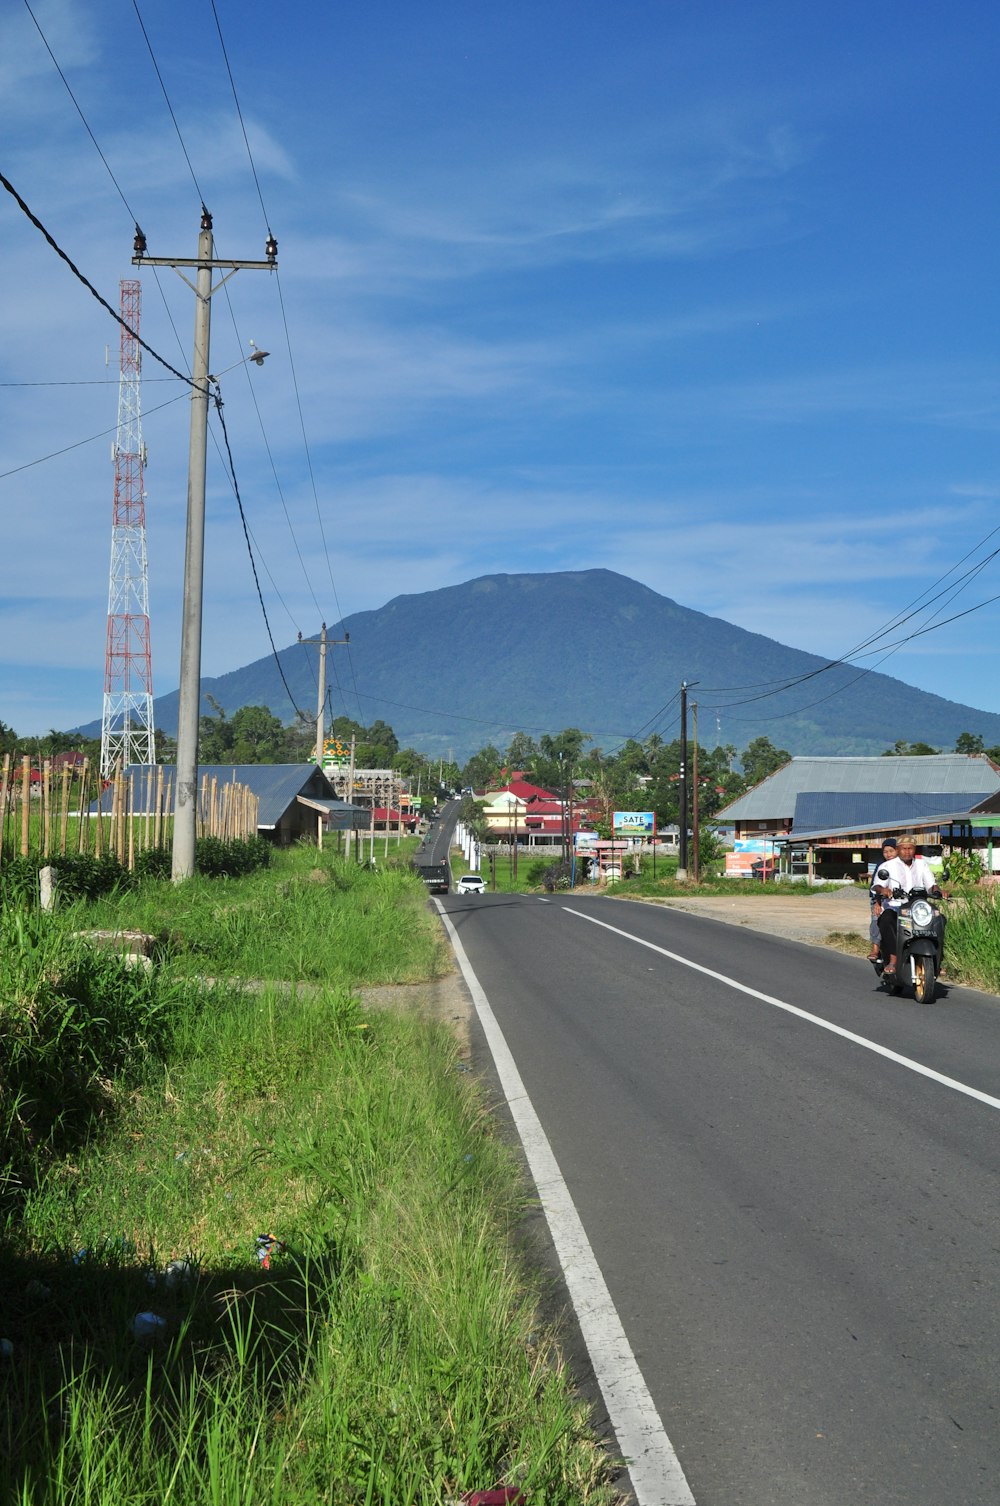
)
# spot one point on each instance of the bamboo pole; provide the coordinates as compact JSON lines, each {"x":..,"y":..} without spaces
{"x":25,"y":805}
{"x":99,"y":813}
{"x":45,"y":797}
{"x":83,"y":843}
{"x":158,"y":825}
{"x":4,"y":789}
{"x":67,"y":778}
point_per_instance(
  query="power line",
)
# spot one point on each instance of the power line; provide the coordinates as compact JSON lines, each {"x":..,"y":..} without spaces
{"x":236,"y":101}
{"x":217,"y":398}
{"x":295,"y":383}
{"x":54,"y":454}
{"x":166,"y":96}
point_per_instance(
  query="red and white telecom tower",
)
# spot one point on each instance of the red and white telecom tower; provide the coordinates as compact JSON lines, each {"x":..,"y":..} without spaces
{"x":127,"y":722}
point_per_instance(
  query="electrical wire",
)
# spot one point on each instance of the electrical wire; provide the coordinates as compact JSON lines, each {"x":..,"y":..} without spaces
{"x":166,"y":96}
{"x":6,"y":183}
{"x":217,"y":398}
{"x":295,"y":383}
{"x":54,"y":454}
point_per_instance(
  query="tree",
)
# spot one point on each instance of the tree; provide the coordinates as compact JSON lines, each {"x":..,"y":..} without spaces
{"x":558,"y":757}
{"x":482,"y":768}
{"x":522,"y":752}
{"x":969,"y":742}
{"x":761,"y":758}
{"x":258,"y":736}
{"x":215,"y":736}
{"x":903,"y":749}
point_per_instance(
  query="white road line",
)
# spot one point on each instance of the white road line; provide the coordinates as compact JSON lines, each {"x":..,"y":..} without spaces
{"x":803,"y":1014}
{"x":657,"y":1477}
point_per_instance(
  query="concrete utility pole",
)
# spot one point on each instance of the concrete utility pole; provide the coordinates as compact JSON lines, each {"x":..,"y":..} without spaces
{"x":695,"y":795}
{"x":189,"y":704}
{"x":324,"y":643}
{"x":682,"y":846}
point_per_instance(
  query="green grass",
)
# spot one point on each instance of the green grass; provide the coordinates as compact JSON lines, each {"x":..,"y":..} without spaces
{"x":395,"y":1351}
{"x":312,"y":917}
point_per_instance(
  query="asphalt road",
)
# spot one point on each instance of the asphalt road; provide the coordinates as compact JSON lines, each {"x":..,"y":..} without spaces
{"x":800,"y":1232}
{"x":436,"y":845}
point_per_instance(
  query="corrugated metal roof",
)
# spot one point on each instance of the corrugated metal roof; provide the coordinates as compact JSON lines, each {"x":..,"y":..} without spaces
{"x":276,"y":785}
{"x":816,"y":810}
{"x":774,"y":798}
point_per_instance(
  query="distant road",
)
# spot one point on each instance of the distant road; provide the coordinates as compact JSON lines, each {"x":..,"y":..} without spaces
{"x":790,"y":1183}
{"x":436,"y":845}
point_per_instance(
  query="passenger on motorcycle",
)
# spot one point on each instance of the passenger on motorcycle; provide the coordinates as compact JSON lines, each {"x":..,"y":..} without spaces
{"x":907,"y":872}
{"x":875,"y":955}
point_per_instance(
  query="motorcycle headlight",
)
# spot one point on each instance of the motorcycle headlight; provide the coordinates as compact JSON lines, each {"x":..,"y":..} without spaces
{"x":922,"y":912}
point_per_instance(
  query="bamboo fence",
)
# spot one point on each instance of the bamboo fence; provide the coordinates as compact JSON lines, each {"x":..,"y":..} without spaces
{"x":66,"y":810}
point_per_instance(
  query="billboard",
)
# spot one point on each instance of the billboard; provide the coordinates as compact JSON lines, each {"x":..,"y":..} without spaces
{"x":633,"y":823}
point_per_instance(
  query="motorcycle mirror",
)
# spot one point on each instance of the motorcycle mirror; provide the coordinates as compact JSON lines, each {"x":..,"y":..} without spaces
{"x":882,"y":875}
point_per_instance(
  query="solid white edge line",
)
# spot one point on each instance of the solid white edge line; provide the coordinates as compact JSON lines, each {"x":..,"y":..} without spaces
{"x":655,"y":1471}
{"x":803,"y":1014}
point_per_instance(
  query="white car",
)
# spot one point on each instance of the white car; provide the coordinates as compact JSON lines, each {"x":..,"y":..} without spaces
{"x":470,"y":883}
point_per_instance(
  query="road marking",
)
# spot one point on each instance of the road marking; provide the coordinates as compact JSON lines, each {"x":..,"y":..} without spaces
{"x":803,"y":1014}
{"x":657,"y":1477}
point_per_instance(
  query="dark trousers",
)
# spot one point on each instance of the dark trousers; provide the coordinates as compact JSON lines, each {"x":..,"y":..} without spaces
{"x":887,"y":933}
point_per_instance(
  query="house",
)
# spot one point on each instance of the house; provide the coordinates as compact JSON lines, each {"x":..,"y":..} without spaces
{"x":524,"y":813}
{"x":293,"y":798}
{"x":833,"y":812}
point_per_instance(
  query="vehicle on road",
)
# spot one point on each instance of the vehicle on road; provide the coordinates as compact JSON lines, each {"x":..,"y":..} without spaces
{"x":436,"y":877}
{"x":919,"y":942}
{"x":470,"y":883}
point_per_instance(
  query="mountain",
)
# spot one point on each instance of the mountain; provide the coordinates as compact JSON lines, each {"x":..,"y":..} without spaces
{"x":466,"y":665}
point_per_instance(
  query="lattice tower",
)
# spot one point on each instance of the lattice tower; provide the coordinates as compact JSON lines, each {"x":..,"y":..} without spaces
{"x":127,"y":723}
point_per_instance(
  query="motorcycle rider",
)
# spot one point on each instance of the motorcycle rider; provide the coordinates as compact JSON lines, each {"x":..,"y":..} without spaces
{"x":906,"y":872}
{"x":875,"y":955}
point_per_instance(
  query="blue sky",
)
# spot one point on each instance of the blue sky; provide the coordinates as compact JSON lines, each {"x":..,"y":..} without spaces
{"x":703,"y":293}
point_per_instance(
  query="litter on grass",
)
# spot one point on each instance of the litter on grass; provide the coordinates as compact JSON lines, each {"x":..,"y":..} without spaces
{"x":148,"y":1326}
{"x":268,"y":1245}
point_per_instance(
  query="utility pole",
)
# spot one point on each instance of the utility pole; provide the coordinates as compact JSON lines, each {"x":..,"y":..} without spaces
{"x":696,"y":864}
{"x":682,"y":854}
{"x":189,"y":703}
{"x":324,"y":643}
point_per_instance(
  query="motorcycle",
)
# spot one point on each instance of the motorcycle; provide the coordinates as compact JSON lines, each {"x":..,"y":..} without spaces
{"x":919,"y":942}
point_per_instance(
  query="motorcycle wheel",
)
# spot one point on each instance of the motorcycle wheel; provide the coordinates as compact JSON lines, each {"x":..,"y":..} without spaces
{"x":924,"y":982}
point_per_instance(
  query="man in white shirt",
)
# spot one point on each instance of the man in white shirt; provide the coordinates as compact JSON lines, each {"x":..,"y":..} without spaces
{"x":907,"y":872}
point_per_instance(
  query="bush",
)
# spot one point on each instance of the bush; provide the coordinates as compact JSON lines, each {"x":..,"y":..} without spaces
{"x":218,"y":859}
{"x":963,"y":868}
{"x":78,"y":876}
{"x":72,"y":1018}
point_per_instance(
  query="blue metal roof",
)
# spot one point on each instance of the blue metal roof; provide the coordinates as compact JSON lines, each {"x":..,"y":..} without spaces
{"x":276,"y":785}
{"x":835,"y":810}
{"x":774,"y":798}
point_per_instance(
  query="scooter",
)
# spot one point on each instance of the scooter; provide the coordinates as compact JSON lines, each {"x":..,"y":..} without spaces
{"x":919,"y":942}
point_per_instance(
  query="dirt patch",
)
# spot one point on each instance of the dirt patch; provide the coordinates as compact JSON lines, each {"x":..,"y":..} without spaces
{"x":811,"y":918}
{"x":444,"y":1000}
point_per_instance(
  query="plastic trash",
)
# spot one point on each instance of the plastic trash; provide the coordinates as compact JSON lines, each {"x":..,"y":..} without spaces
{"x":268,"y":1245}
{"x":149,"y":1327}
{"x":178,"y":1275}
{"x":6,"y":1349}
{"x":502,"y":1495}
{"x":81,"y":1256}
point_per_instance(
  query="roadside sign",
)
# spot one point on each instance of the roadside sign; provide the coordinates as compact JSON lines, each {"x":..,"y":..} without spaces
{"x":634,"y":823}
